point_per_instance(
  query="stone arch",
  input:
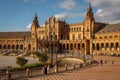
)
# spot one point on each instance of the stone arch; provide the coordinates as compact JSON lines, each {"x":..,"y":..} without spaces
{"x":60,"y":46}
{"x":67,"y":46}
{"x":8,"y":46}
{"x":78,"y":46}
{"x":17,"y":46}
{"x":21,"y":46}
{"x":102,"y":45}
{"x":13,"y":46}
{"x":116,"y":45}
{"x":63,"y":46}
{"x":83,"y":46}
{"x":75,"y":45}
{"x":98,"y":46}
{"x":29,"y":47}
{"x":107,"y":45}
{"x":71,"y":46}
{"x":4,"y":46}
{"x":0,"y":46}
{"x":111,"y":45}
{"x":93,"y":46}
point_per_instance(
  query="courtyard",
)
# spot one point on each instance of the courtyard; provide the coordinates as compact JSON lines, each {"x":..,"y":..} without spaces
{"x":107,"y":71}
{"x":11,"y":61}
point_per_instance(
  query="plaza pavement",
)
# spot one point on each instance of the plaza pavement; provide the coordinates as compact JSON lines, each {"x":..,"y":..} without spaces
{"x":107,"y":71}
{"x":11,"y":61}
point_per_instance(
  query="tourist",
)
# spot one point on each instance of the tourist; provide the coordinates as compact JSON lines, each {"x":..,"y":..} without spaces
{"x":113,"y":62}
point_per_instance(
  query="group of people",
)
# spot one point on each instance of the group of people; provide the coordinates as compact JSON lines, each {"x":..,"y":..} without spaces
{"x":105,"y":62}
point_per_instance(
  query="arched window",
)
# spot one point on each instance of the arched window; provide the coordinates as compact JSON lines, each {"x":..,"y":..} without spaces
{"x":78,"y":46}
{"x":17,"y":46}
{"x":93,"y":46}
{"x":13,"y":46}
{"x":8,"y":46}
{"x":83,"y":46}
{"x":107,"y":45}
{"x":98,"y":47}
{"x":74,"y":45}
{"x":116,"y":45}
{"x":67,"y":46}
{"x":112,"y":45}
{"x":4,"y":47}
{"x":21,"y":46}
{"x":0,"y":46}
{"x":102,"y":45}
{"x":60,"y":46}
{"x":63,"y":46}
{"x":29,"y":47}
{"x":71,"y":46}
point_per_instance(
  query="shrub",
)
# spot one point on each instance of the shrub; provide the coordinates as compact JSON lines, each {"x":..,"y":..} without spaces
{"x":21,"y":61}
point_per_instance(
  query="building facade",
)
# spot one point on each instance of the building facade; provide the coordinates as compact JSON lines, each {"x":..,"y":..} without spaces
{"x":57,"y":36}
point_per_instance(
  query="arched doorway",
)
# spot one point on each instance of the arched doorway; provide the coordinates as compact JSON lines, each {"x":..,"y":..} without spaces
{"x":4,"y":46}
{"x":107,"y":45}
{"x":93,"y":46}
{"x":116,"y":45}
{"x":78,"y":46}
{"x":98,"y":47}
{"x":67,"y":46}
{"x":102,"y":45}
{"x":112,"y":45}
{"x":13,"y":46}
{"x":29,"y":47}
{"x":0,"y":46}
{"x":71,"y":46}
{"x":8,"y":46}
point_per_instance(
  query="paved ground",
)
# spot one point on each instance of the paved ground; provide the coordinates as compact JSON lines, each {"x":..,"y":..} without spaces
{"x":105,"y":72}
{"x":11,"y":61}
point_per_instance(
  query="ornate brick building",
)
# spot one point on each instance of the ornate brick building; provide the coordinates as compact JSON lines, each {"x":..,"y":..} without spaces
{"x":58,"y":36}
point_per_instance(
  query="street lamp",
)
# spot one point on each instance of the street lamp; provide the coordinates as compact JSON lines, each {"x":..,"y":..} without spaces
{"x":92,"y":44}
{"x":51,"y":54}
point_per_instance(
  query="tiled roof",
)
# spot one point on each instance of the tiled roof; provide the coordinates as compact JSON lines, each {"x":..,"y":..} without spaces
{"x":14,"y":35}
{"x":110,"y":28}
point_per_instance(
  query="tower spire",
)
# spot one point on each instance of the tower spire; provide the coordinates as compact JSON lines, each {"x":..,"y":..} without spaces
{"x":89,"y":14}
{"x":35,"y":21}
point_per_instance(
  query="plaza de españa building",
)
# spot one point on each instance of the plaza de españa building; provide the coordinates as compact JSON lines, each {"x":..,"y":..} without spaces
{"x":88,"y":37}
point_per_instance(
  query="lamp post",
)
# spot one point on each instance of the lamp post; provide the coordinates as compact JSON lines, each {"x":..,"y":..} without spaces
{"x":54,"y":48}
{"x":51,"y":54}
{"x":92,"y":46}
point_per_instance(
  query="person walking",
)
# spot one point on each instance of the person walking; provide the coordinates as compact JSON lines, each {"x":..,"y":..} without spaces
{"x":113,"y":62}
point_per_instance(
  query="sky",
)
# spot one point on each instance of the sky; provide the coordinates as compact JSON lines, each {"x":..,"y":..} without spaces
{"x":17,"y":15}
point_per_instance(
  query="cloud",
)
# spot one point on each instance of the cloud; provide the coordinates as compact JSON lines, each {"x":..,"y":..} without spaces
{"x":29,"y":26}
{"x":68,"y":4}
{"x":65,"y":15}
{"x":108,"y":10}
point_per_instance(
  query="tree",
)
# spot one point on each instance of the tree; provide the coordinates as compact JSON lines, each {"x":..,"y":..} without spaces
{"x":43,"y":57}
{"x":21,"y":61}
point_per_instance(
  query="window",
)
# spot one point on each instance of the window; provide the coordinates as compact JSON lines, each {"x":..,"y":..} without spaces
{"x":73,"y":37}
{"x":79,"y":28}
{"x":100,"y":37}
{"x":79,"y":36}
{"x":115,"y":36}
{"x":105,"y":37}
{"x":110,"y":36}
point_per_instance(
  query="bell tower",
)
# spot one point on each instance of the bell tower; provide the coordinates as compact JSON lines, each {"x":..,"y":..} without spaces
{"x":89,"y":22}
{"x":34,"y":33}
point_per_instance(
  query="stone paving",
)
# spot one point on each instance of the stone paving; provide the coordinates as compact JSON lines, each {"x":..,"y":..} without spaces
{"x":11,"y":61}
{"x":107,"y":71}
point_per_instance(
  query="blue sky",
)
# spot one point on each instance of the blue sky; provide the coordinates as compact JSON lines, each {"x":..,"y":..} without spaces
{"x":17,"y":15}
